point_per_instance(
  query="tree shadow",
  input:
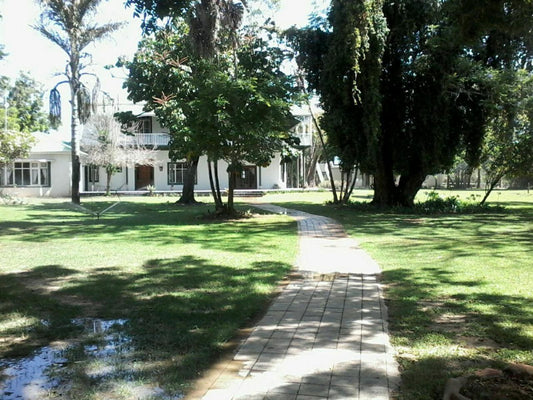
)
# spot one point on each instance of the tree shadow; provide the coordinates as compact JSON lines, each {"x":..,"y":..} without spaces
{"x":181,"y":312}
{"x":474,"y":319}
{"x":151,"y":222}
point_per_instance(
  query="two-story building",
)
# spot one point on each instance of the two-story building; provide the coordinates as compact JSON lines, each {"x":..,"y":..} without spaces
{"x":47,"y":170}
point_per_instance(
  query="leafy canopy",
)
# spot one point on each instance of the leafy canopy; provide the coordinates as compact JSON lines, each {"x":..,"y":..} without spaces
{"x":405,"y":85}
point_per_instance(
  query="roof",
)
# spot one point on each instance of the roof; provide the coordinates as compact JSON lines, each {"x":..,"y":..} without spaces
{"x":52,"y":142}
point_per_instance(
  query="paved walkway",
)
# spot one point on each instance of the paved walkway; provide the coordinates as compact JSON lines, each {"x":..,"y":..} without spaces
{"x":325,"y":336}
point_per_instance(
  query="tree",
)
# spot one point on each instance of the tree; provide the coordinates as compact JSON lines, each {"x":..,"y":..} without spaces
{"x":508,"y":145}
{"x":23,"y":117}
{"x":152,"y":75}
{"x":235,"y":107}
{"x":105,"y":145}
{"x":14,"y":145}
{"x":401,"y":82}
{"x":67,"y":23}
{"x":26,"y":98}
{"x":209,"y":26}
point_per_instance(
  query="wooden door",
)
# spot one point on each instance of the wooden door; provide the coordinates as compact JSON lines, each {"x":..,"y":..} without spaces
{"x":144,"y":176}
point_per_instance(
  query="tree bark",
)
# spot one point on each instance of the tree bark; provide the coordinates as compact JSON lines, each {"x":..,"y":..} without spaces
{"x":384,"y":187}
{"x":109,"y":173}
{"x":311,"y":169}
{"x":74,"y":125}
{"x":408,"y":187}
{"x":492,"y":185}
{"x":215,"y":192}
{"x":217,"y":185}
{"x":231,"y":190}
{"x":349,"y":192}
{"x":187,"y":194}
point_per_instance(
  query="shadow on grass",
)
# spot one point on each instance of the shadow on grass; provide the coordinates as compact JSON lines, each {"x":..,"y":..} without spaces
{"x":181,"y":312}
{"x":455,"y":296}
{"x":147,"y":222}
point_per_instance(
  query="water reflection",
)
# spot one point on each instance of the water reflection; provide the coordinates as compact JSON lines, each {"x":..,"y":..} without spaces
{"x":27,"y":378}
{"x":104,"y":343}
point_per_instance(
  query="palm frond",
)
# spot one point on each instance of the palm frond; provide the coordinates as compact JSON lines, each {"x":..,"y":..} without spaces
{"x":55,"y":108}
{"x":84,"y":104}
{"x":55,"y":37}
{"x":94,"y":33}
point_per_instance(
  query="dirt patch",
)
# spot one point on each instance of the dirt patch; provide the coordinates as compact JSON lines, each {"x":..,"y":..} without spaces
{"x":499,"y":385}
{"x":473,"y":342}
{"x":450,"y":323}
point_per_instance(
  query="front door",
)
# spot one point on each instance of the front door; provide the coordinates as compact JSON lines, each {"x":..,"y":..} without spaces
{"x":247,"y":178}
{"x":144,"y":176}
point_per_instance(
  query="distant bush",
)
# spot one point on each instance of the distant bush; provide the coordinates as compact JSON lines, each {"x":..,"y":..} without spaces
{"x":434,"y":204}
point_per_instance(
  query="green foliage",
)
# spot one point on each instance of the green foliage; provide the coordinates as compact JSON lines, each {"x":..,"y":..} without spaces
{"x":25,"y":116}
{"x":14,"y":145}
{"x":26,"y":102}
{"x":434,"y":204}
{"x":404,"y":83}
{"x":235,"y":107}
{"x":507,"y":148}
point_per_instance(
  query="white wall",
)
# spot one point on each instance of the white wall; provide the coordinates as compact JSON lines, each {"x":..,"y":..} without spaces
{"x":60,"y":173}
{"x":271,"y":176}
{"x":267,"y":177}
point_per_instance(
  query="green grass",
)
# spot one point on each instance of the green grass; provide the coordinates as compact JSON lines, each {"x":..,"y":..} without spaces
{"x":184,"y":283}
{"x":459,"y":287}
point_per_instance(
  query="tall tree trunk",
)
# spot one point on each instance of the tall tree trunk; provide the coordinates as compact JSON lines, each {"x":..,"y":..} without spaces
{"x":187,"y":194}
{"x":341,"y":190}
{"x":214,"y":192}
{"x":217,"y":184}
{"x":349,"y":190}
{"x":491,"y":187}
{"x":384,"y":186}
{"x":408,"y":188}
{"x":323,"y":143}
{"x":231,"y":190}
{"x":311,"y":169}
{"x":75,"y":127}
{"x":109,"y":174}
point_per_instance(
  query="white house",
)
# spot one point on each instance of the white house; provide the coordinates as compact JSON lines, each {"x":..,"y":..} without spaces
{"x":47,"y":170}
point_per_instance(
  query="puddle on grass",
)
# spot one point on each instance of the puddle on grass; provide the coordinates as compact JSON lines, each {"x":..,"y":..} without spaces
{"x":27,"y":378}
{"x":37,"y":376}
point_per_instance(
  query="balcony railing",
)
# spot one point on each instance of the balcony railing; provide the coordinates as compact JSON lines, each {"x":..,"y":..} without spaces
{"x":149,"y":139}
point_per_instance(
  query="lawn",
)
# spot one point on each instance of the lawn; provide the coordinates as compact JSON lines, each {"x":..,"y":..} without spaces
{"x":459,"y":287}
{"x":169,"y":287}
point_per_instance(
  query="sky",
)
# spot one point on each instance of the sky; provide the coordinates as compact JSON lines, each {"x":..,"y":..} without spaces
{"x":29,"y":51}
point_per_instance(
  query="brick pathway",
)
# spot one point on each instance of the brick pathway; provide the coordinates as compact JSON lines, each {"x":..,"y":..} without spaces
{"x":325,"y":336}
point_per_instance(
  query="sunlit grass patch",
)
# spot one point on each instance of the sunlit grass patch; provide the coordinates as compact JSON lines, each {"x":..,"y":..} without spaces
{"x":183,"y":283}
{"x":459,"y":286}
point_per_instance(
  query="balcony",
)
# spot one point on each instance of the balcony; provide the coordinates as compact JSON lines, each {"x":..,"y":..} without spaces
{"x":153,"y":139}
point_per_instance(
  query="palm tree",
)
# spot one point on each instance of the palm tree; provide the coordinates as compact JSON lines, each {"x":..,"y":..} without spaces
{"x":68,"y":24}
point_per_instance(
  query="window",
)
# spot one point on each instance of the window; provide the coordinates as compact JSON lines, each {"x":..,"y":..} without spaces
{"x":26,"y":173}
{"x":93,"y":174}
{"x":145,"y":125}
{"x":176,"y":173}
